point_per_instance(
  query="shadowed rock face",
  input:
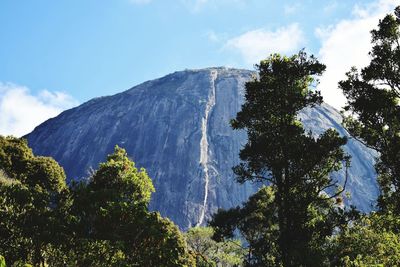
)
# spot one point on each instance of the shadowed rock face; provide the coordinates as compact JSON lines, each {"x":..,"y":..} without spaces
{"x":177,"y":127}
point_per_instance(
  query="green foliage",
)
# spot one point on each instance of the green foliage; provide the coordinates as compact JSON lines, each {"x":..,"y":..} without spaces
{"x":6,"y":181}
{"x":21,"y":264}
{"x":30,"y":190}
{"x":119,"y":180}
{"x":373,"y":106}
{"x":257,"y":223}
{"x":2,"y":261}
{"x":105,"y":222}
{"x":18,"y":163}
{"x":295,"y":163}
{"x":209,"y":252}
{"x":373,"y":116}
{"x":110,"y":214}
{"x":294,"y":221}
{"x":369,"y":241}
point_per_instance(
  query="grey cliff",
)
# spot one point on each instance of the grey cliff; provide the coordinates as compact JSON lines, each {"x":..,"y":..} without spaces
{"x":177,"y":127}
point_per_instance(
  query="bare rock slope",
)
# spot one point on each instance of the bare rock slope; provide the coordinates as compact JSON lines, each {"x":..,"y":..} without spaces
{"x":177,"y":127}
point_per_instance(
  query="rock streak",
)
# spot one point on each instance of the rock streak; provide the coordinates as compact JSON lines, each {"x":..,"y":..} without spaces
{"x":204,"y":146}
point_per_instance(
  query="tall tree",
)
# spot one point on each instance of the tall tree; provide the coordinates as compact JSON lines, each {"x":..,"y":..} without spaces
{"x":295,"y":163}
{"x":105,"y":222}
{"x":111,"y":212}
{"x":373,"y":108}
{"x":31,"y":198}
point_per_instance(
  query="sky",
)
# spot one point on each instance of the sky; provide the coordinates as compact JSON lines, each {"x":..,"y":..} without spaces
{"x":55,"y":55}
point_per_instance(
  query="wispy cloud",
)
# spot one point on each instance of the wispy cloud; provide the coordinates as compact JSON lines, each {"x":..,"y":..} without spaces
{"x":257,"y":44}
{"x":21,"y":111}
{"x":330,"y":6}
{"x":290,"y":9}
{"x":212,"y":36}
{"x":347,"y":44}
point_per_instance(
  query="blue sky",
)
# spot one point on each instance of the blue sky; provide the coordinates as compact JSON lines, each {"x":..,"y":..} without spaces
{"x":57,"y":54}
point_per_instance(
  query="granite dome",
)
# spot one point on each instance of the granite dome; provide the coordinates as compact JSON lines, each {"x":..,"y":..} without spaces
{"x":177,"y":127}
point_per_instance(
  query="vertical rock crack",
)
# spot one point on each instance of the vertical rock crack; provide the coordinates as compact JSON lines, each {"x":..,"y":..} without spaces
{"x":204,"y":145}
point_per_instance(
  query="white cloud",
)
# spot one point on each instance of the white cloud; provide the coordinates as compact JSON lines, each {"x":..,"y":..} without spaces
{"x":212,"y":36}
{"x":258,"y":44}
{"x":21,"y":111}
{"x":347,"y":44}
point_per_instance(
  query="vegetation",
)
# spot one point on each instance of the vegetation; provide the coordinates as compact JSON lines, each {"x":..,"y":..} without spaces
{"x":297,"y":210}
{"x":373,"y":117}
{"x":209,"y":252}
{"x":373,"y":96}
{"x":257,"y":223}
{"x":369,"y":241}
{"x":31,"y":197}
{"x":296,"y":219}
{"x":113,"y":209}
{"x":105,"y":222}
{"x":2,"y":261}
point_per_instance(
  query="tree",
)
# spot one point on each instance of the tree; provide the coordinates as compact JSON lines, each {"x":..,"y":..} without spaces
{"x":31,"y":190}
{"x":373,"y":111}
{"x":257,"y":223}
{"x":112,"y":220}
{"x":105,"y":222}
{"x":280,"y":152}
{"x":210,"y":253}
{"x":368,"y":241}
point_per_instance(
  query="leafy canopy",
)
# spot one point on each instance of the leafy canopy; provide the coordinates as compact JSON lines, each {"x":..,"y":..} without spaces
{"x":210,"y":253}
{"x":31,"y":197}
{"x":373,"y":110}
{"x":111,"y":211}
{"x":295,"y":163}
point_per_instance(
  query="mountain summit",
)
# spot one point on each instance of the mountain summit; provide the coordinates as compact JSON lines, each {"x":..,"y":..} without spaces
{"x":177,"y":127}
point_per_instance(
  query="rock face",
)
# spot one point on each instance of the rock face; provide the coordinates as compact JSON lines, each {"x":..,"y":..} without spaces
{"x":177,"y":127}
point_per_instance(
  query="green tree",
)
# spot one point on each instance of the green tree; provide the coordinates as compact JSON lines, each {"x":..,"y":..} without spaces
{"x":368,"y":241}
{"x":295,"y":163}
{"x":257,"y":223}
{"x":209,"y":252}
{"x":31,"y":190}
{"x":373,"y":109}
{"x":112,"y":220}
{"x":105,"y":222}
